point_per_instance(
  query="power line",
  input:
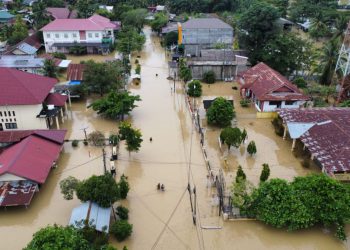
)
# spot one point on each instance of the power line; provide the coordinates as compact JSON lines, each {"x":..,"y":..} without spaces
{"x":80,"y":165}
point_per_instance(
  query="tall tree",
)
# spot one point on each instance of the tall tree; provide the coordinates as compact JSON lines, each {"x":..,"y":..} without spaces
{"x":40,"y":15}
{"x":133,"y":137}
{"x":115,"y":105}
{"x":103,"y":77}
{"x":231,"y":137}
{"x":130,"y":40}
{"x":19,"y":31}
{"x":50,"y":69}
{"x":220,"y":113}
{"x":328,"y":60}
{"x":160,"y":20}
{"x":134,"y":18}
{"x":85,"y":8}
{"x":258,"y":25}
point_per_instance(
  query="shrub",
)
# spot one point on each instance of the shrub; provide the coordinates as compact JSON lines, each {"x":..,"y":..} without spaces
{"x":75,"y":143}
{"x":123,"y":187}
{"x":85,"y":142}
{"x":240,"y":175}
{"x":209,"y":77}
{"x":220,"y":113}
{"x":300,"y":82}
{"x":121,"y":229}
{"x":59,"y":55}
{"x":251,"y":148}
{"x":123,"y":212}
{"x":194,"y":88}
{"x":265,"y":173}
{"x":97,"y":138}
{"x":245,"y":103}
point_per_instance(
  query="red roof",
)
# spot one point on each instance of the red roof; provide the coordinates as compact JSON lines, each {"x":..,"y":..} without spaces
{"x":95,"y":23}
{"x":10,"y":136}
{"x":75,"y":72}
{"x":62,"y":13}
{"x":31,"y":158}
{"x":17,"y":193}
{"x":328,"y":139}
{"x":56,"y":99}
{"x":269,"y":85}
{"x":22,"y":88}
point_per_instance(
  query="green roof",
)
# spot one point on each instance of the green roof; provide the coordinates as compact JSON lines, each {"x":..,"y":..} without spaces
{"x":5,"y":15}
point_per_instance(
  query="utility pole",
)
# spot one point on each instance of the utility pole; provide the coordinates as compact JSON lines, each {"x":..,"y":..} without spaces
{"x":195,"y":206}
{"x":193,"y":212}
{"x":174,"y":79}
{"x":104,"y":160}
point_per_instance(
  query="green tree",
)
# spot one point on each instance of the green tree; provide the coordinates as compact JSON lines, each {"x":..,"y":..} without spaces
{"x":220,"y":113}
{"x":258,"y":26}
{"x":281,"y":5}
{"x":265,"y":173}
{"x":103,"y":77}
{"x":85,"y":8}
{"x":50,"y":69}
{"x":135,"y":18}
{"x":240,"y":175}
{"x":251,"y":149}
{"x":68,"y":186}
{"x":100,"y":189}
{"x":123,"y":187}
{"x":121,"y":229}
{"x":231,"y":137}
{"x":327,"y":62}
{"x":287,"y":53}
{"x":115,"y":105}
{"x":171,"y":38}
{"x":194,"y":88}
{"x":19,"y":31}
{"x":160,"y":20}
{"x":209,"y":77}
{"x":244,"y":135}
{"x":129,"y":40}
{"x":240,"y":194}
{"x":185,"y":74}
{"x":40,"y":15}
{"x":123,"y":212}
{"x":133,"y":137}
{"x":97,"y":138}
{"x":58,"y":237}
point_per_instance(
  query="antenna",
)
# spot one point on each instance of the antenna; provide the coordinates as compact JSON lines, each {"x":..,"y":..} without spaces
{"x":343,"y":63}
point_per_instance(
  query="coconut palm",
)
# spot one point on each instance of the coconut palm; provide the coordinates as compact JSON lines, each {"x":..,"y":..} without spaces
{"x":328,"y":60}
{"x":341,"y":24}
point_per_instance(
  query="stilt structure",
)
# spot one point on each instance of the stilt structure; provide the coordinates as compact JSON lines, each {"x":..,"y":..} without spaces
{"x":343,"y":64}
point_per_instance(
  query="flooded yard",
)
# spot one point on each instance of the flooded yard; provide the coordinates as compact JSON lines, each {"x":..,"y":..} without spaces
{"x":163,"y":220}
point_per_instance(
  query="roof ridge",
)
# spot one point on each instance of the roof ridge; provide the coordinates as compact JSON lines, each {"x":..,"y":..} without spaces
{"x":22,"y":146}
{"x":24,"y":85}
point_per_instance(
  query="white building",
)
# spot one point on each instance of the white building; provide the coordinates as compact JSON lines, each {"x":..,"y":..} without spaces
{"x":95,"y":34}
{"x":28,"y":101}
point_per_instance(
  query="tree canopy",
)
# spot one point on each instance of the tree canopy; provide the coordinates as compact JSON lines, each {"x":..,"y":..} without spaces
{"x":58,"y":237}
{"x":134,"y":18}
{"x":231,"y":137}
{"x":50,"y":69}
{"x":195,"y":88}
{"x":101,"y":189}
{"x":86,"y":8}
{"x":160,"y":20}
{"x":18,"y":32}
{"x":116,"y":104}
{"x":129,"y":40}
{"x":102,"y":77}
{"x":220,"y":113}
{"x":132,"y":136}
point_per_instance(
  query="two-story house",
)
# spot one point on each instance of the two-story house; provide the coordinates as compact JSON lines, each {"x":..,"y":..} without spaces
{"x":28,"y":101}
{"x":95,"y":34}
{"x":205,"y":33}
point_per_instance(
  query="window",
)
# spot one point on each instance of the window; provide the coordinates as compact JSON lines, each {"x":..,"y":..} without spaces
{"x":57,"y":35}
{"x":289,"y":102}
{"x":0,"y":113}
{"x":5,"y":113}
{"x":97,"y":34}
{"x":65,"y":35}
{"x":48,"y":35}
{"x":275,"y":103}
{"x":11,"y":125}
{"x":9,"y":112}
{"x":13,"y":113}
{"x":74,"y":35}
{"x":90,"y":35}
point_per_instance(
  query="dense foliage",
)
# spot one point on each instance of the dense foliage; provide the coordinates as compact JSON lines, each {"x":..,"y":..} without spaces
{"x":123,"y":213}
{"x":129,"y":40}
{"x":68,"y":186}
{"x":101,"y":189}
{"x":160,"y":20}
{"x":240,"y":175}
{"x":265,"y":172}
{"x":209,"y":77}
{"x":121,"y":229}
{"x":58,"y":237}
{"x":116,"y":104}
{"x":194,"y":88}
{"x":251,"y":149}
{"x":231,"y":137}
{"x":132,"y":136}
{"x":50,"y":69}
{"x":303,"y":203}
{"x":17,"y":32}
{"x":123,"y":187}
{"x":220,"y":113}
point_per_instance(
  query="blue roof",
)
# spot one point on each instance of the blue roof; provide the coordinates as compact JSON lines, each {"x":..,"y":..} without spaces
{"x":5,"y":15}
{"x":99,"y":216}
{"x":26,"y":48}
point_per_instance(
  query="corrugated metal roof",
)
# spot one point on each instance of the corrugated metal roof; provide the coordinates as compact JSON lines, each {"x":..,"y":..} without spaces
{"x":99,"y":216}
{"x":21,"y":61}
{"x":205,"y":23}
{"x":26,"y":48}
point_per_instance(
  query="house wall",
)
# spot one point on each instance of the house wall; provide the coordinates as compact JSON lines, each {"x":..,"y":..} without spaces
{"x":24,"y":116}
{"x":221,"y":71}
{"x":51,"y":37}
{"x":10,"y":177}
{"x":267,"y":107}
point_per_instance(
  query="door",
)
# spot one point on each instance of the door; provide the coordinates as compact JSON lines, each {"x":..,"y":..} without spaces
{"x":82,"y":35}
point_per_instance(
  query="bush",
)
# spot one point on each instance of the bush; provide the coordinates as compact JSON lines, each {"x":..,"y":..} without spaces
{"x":245,"y":103}
{"x":240,"y":175}
{"x":138,"y":69}
{"x":300,"y":82}
{"x":121,"y":229}
{"x":220,"y":113}
{"x":265,"y":173}
{"x":123,"y":212}
{"x":209,"y":77}
{"x":75,"y":143}
{"x":194,"y":88}
{"x":251,"y":148}
{"x":123,"y":187}
{"x":59,"y":55}
{"x":97,"y":138}
{"x":85,"y":142}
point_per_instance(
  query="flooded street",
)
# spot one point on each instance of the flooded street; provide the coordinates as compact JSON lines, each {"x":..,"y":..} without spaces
{"x":163,"y":220}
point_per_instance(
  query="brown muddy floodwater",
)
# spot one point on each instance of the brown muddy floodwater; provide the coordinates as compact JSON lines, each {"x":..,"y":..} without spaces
{"x":164,"y":116}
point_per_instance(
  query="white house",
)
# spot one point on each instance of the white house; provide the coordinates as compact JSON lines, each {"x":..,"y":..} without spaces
{"x":269,"y":90}
{"x":28,"y":101}
{"x":95,"y":33}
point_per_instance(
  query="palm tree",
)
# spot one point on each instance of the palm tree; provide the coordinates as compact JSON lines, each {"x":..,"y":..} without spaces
{"x":328,"y":60}
{"x":341,"y":24}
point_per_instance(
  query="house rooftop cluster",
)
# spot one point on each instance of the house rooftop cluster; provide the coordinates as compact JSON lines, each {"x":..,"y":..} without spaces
{"x":326,"y":134}
{"x":267,"y":84}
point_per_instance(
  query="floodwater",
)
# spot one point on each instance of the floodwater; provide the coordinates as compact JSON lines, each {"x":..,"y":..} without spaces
{"x":163,"y":220}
